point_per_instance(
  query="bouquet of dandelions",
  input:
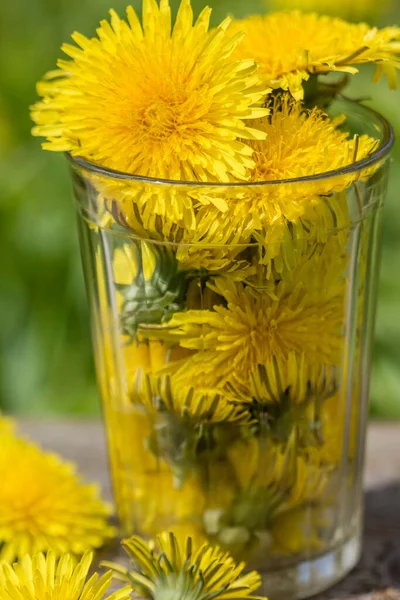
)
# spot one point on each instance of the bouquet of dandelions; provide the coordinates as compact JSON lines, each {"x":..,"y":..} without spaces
{"x":221,"y":298}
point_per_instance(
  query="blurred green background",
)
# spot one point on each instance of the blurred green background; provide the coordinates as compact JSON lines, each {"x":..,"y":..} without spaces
{"x":46,"y":365}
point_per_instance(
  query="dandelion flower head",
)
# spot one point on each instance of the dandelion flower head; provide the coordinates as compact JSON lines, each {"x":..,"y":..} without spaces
{"x":154,"y":100}
{"x":195,"y":404}
{"x":304,"y":317}
{"x":299,"y":143}
{"x":41,"y":577}
{"x":175,"y":568}
{"x":44,"y":504}
{"x":290,"y":46}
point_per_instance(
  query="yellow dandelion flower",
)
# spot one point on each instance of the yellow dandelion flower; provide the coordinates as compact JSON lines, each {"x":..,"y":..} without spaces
{"x":156,"y":101}
{"x":304,"y":316}
{"x":41,"y":577}
{"x":272,"y":480}
{"x":177,"y":569}
{"x":268,"y":384}
{"x":282,"y":219}
{"x":291,"y":46}
{"x":188,"y":402}
{"x":292,"y":477}
{"x":356,"y":10}
{"x":185,"y":420}
{"x":304,"y":143}
{"x":44,"y":505}
{"x":280,"y":400}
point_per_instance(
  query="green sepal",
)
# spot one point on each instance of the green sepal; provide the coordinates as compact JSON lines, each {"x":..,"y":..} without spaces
{"x":156,"y":299}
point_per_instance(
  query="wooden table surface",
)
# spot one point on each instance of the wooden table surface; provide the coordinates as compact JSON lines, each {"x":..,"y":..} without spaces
{"x":378,"y":574}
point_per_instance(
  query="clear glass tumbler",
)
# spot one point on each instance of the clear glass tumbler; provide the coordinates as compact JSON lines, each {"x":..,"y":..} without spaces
{"x":234,"y":368}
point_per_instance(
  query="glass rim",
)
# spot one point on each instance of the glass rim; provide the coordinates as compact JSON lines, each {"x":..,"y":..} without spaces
{"x":381,"y":152}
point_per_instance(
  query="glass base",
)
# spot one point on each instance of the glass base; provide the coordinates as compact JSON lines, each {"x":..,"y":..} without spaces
{"x":311,"y":577}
